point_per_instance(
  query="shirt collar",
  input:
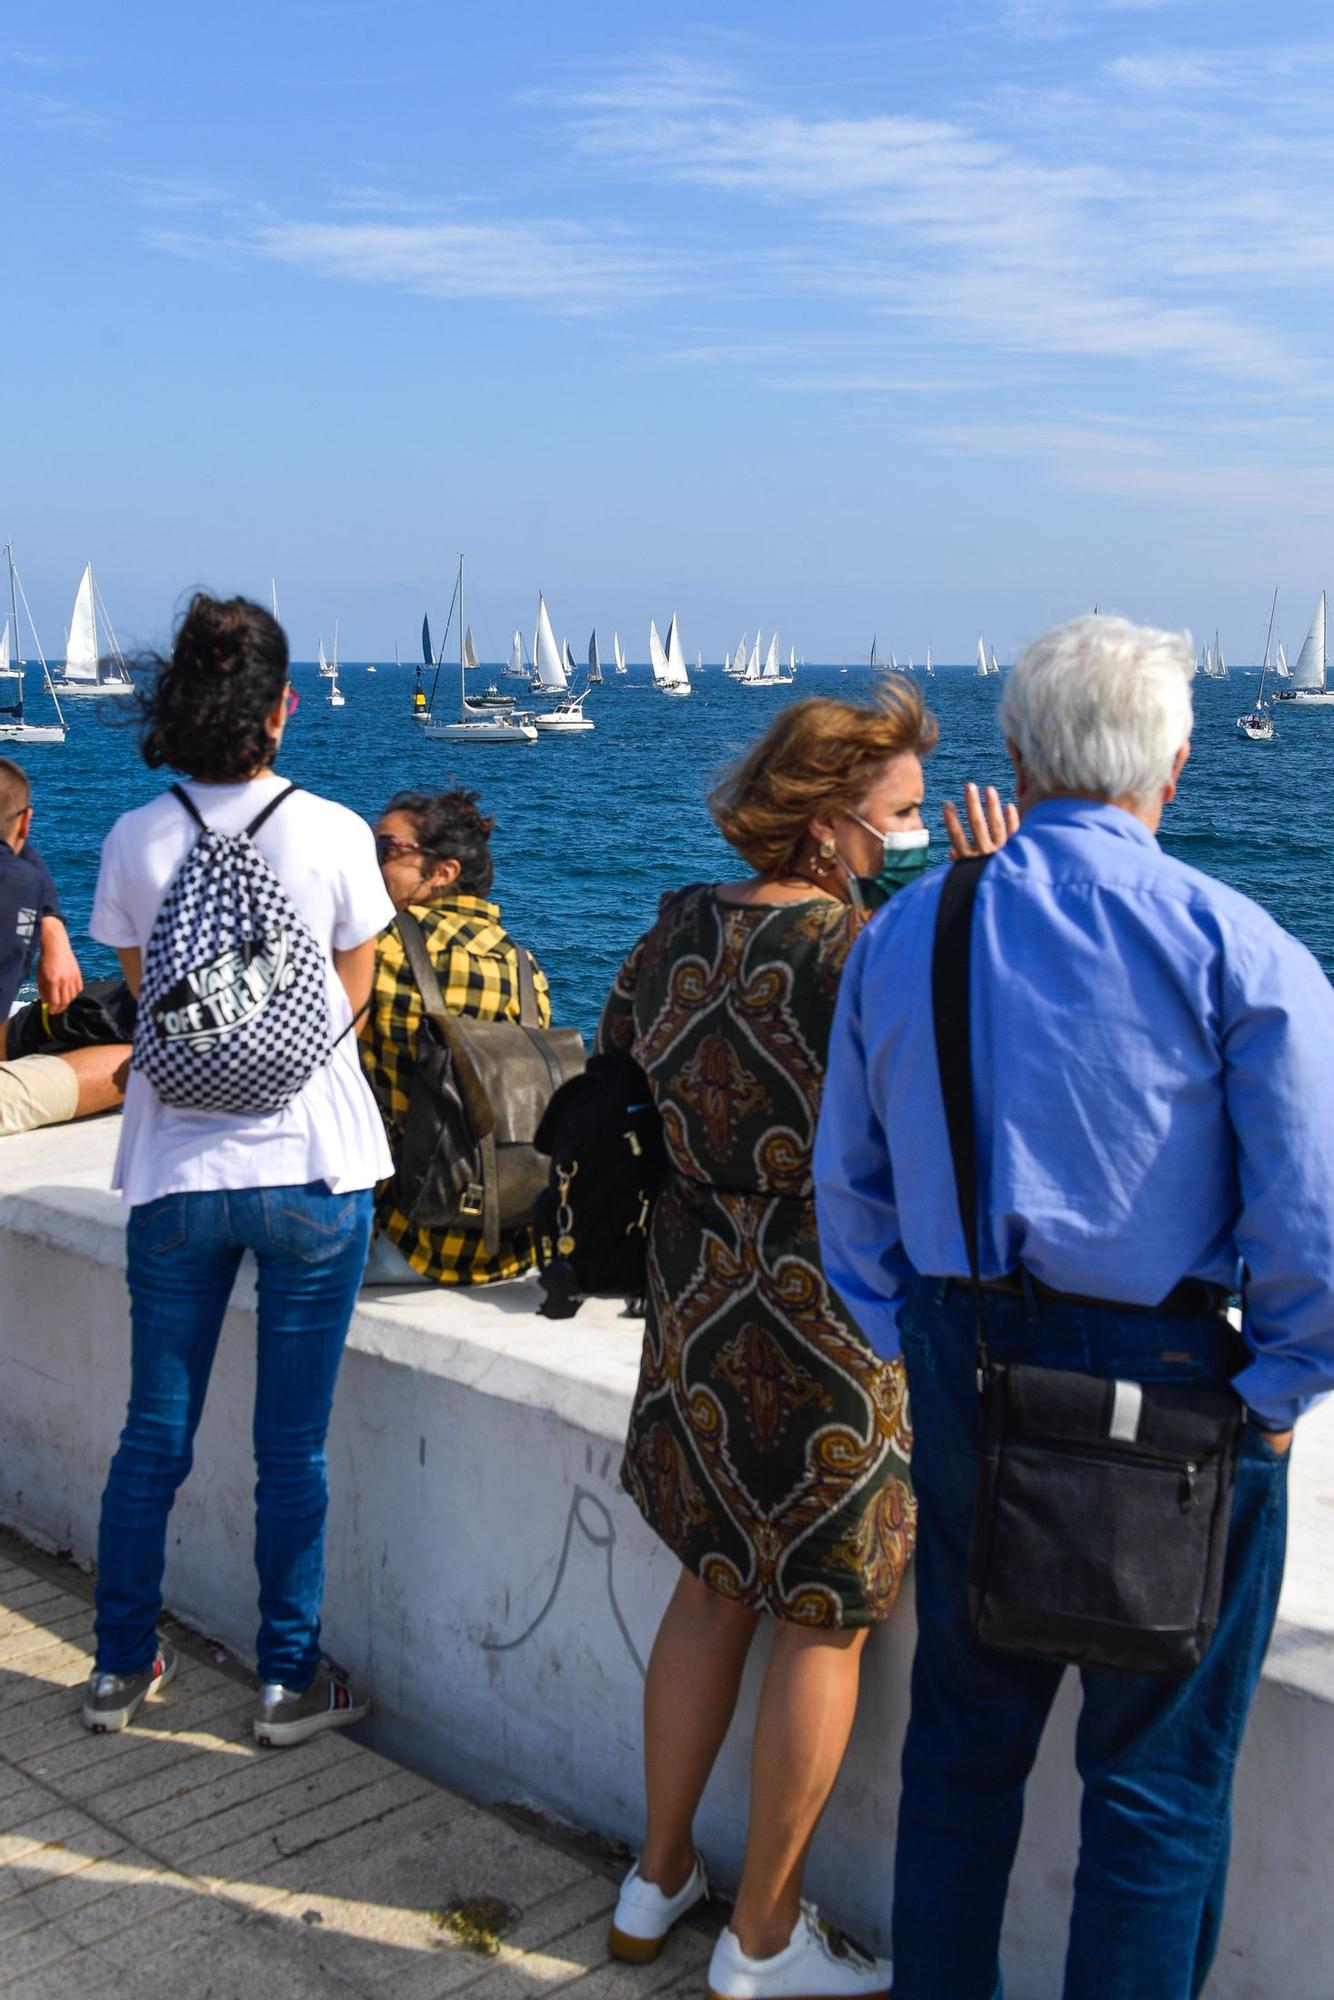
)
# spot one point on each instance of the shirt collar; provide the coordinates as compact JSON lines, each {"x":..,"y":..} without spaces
{"x":1097,"y":815}
{"x":466,"y":906}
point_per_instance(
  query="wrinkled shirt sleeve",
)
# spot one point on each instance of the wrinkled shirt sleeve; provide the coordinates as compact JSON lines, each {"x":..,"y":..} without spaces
{"x":50,"y":895}
{"x":1279,"y":1083}
{"x":860,"y":1242}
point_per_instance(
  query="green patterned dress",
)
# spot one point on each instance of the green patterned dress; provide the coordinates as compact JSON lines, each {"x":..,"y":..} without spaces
{"x":769,"y":1445}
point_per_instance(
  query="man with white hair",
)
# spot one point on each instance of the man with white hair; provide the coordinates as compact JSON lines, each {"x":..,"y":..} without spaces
{"x":1153,"y":1098}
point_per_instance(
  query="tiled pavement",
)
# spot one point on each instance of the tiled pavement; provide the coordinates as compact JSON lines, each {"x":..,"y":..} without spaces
{"x":179,"y":1862}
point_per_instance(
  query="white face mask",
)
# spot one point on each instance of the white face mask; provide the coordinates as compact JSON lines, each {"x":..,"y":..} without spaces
{"x":900,"y":840}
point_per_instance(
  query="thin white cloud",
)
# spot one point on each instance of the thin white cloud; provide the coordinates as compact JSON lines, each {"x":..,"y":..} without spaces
{"x":556,"y":266}
{"x":39,"y":112}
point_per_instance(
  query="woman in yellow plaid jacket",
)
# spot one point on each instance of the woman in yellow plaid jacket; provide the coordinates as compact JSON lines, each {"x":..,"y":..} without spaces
{"x":435,"y":857}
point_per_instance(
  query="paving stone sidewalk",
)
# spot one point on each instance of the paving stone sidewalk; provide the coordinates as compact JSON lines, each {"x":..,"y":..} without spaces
{"x":177,"y":1861}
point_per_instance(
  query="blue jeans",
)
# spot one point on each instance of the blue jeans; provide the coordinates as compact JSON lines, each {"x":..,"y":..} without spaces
{"x":183,"y":1253}
{"x":1156,"y":1757}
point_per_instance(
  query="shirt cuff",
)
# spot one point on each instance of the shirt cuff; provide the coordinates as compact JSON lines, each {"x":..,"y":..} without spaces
{"x":1277,"y":1394}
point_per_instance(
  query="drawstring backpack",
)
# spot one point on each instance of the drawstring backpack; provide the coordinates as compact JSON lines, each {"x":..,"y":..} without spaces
{"x":233,"y":1005}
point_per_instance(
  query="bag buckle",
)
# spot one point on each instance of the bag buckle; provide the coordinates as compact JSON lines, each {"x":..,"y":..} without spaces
{"x":472,"y":1201}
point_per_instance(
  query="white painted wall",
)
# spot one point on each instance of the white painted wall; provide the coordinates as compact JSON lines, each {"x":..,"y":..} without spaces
{"x":499,"y":1594}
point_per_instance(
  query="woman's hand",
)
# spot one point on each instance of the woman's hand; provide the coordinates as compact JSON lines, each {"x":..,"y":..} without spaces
{"x":990,"y":824}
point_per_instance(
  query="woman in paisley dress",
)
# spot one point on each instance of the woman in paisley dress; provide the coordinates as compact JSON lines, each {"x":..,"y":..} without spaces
{"x":769,"y":1445}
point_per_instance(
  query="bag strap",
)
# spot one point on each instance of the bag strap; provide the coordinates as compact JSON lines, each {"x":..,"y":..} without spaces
{"x":951,"y":985}
{"x":476,"y":1103}
{"x":179,"y":792}
{"x":267,"y":811}
{"x":529,"y":1016}
{"x":950,"y":993}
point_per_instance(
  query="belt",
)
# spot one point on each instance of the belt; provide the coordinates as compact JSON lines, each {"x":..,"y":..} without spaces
{"x":1193,"y":1298}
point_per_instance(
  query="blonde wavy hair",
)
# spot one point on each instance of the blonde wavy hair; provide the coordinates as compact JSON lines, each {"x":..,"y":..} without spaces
{"x":818,"y":757}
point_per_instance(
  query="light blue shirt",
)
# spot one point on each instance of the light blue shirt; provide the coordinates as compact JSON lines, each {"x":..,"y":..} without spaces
{"x":1153,"y":1062}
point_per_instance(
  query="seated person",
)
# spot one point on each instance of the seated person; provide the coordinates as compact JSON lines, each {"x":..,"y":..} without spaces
{"x":45,"y":1089}
{"x":435,"y":857}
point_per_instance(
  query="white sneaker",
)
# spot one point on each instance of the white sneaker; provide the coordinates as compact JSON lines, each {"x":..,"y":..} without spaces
{"x":817,"y":1963}
{"x":643,"y":1915}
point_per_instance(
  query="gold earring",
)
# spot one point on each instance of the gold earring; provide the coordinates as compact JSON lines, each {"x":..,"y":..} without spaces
{"x":828,"y":849}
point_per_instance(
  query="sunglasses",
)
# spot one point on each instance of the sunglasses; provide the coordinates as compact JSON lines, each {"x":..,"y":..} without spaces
{"x":293,"y":702}
{"x":388,"y":847}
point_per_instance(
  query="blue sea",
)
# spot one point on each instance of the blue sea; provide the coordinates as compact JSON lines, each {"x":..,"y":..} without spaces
{"x":590,"y":829}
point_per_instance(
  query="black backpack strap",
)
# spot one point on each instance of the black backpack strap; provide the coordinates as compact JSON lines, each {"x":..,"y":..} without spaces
{"x":266,"y":811}
{"x":179,"y":792}
{"x":950,"y":983}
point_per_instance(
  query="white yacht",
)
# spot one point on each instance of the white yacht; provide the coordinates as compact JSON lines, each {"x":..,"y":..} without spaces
{"x":472,"y":727}
{"x":669,"y":662}
{"x":1309,"y":672}
{"x":14,"y":726}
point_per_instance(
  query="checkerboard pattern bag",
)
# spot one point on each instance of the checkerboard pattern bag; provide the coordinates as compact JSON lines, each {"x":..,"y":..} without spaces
{"x":233,"y":1009}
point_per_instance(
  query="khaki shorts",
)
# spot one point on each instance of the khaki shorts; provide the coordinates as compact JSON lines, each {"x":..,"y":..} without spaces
{"x":36,"y":1090}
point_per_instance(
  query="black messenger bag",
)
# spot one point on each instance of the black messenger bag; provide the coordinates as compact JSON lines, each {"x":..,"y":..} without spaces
{"x":479,"y":1089}
{"x":1102,"y":1511}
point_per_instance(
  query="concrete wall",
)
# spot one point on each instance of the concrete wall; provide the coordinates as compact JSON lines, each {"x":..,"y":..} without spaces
{"x":499,"y":1594}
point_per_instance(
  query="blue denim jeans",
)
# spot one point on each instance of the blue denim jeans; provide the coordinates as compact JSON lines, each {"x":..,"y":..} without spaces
{"x":1156,"y":1757}
{"x":183,"y":1253}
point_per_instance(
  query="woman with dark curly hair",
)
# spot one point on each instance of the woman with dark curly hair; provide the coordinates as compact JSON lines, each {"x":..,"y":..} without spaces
{"x":293,"y":1185}
{"x":435,"y":855}
{"x":768,"y":1444}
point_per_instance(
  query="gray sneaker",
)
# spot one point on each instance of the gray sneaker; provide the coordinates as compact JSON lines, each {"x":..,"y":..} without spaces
{"x":111,"y":1701}
{"x":289,"y":1715}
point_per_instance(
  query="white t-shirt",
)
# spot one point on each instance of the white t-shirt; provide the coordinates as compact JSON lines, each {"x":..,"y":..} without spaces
{"x":324,"y":856}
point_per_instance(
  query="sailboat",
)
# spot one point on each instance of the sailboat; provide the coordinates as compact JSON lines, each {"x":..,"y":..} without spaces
{"x":1310,"y":670}
{"x":617,"y":655}
{"x":333,"y":694}
{"x":594,"y":662}
{"x":1214,"y":666}
{"x":518,"y":668}
{"x":273,"y":599}
{"x":930,"y":670}
{"x":549,"y":675}
{"x":1258,"y":725}
{"x":771,"y":674}
{"x":469,"y":652}
{"x":893,"y":661}
{"x":567,"y":661}
{"x":669,"y":665}
{"x":472,"y":727}
{"x":1281,"y":672}
{"x":699,"y":663}
{"x":982,"y":668}
{"x":993,"y":668}
{"x":86,"y":672}
{"x":13,"y":727}
{"x":736,"y":665}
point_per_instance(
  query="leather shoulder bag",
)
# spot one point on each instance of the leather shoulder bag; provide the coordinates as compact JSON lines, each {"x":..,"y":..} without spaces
{"x":478,"y":1092}
{"x":1102,"y":1510}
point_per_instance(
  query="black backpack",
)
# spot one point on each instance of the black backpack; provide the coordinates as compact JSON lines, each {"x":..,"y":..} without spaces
{"x":604,"y":1137}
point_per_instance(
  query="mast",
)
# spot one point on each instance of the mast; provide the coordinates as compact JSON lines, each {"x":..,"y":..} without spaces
{"x":1264,"y":669}
{"x":463,"y":699}
{"x":14,"y":613}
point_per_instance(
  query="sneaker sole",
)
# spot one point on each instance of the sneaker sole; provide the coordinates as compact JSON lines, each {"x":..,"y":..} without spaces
{"x":635,"y":1950}
{"x":880,"y":1993}
{"x":282,"y":1735}
{"x":106,"y":1722}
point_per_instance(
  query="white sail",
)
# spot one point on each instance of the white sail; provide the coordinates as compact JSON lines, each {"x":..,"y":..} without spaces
{"x":993,"y":668}
{"x":676,"y":659}
{"x":1308,"y":670}
{"x":469,"y":650}
{"x":893,"y":661}
{"x":516,"y":653}
{"x":324,"y":664}
{"x":739,"y":656}
{"x":981,"y":658}
{"x":1281,"y":672}
{"x":930,"y":669}
{"x":727,"y":663}
{"x":699,"y":663}
{"x":771,"y":661}
{"x":753,"y":663}
{"x":657,"y":659}
{"x":81,"y":650}
{"x":616,"y":652}
{"x":546,"y":659}
{"x":792,"y":659}
{"x":4,"y":648}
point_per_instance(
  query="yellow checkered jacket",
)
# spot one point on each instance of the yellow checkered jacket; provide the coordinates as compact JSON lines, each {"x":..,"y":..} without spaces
{"x":476,"y":962}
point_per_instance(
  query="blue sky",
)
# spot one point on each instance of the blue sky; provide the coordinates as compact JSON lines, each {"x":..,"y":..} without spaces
{"x":914,"y":319}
